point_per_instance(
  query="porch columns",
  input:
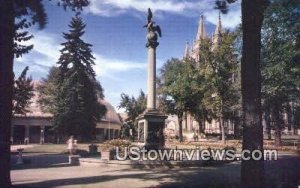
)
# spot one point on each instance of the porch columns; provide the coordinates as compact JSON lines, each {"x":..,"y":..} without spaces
{"x":27,"y":133}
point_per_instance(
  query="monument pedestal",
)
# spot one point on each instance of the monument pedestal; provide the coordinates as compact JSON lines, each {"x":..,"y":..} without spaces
{"x":150,"y":129}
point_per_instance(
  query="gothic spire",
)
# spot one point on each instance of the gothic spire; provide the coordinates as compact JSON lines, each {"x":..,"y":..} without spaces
{"x":186,"y":51}
{"x":201,"y":30}
{"x":219,"y":26}
{"x":216,"y":40}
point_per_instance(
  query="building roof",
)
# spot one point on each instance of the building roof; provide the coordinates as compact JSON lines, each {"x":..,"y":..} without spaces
{"x":35,"y":110}
{"x":111,"y":114}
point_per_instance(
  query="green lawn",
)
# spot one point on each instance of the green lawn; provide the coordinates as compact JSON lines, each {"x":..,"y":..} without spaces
{"x":53,"y":148}
{"x":288,"y":145}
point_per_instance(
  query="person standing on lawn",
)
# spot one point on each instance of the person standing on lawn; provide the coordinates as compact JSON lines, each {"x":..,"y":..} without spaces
{"x":70,"y":144}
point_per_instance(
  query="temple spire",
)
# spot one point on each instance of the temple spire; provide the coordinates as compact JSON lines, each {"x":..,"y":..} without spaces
{"x":217,"y":36}
{"x":186,"y":51}
{"x":201,"y":30}
{"x":201,"y":34}
{"x":219,"y":25}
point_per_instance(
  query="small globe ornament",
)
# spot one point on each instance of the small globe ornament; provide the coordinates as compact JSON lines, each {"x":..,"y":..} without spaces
{"x":151,"y":36}
{"x":152,"y":39}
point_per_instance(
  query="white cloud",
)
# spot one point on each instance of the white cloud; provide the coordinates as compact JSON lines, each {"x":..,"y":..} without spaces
{"x":45,"y":44}
{"x":185,"y":8}
{"x":110,"y":68}
{"x":46,"y":53}
{"x":106,"y":7}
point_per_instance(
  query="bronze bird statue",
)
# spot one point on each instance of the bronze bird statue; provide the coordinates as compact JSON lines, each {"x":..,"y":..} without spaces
{"x":149,"y":18}
{"x":150,"y":24}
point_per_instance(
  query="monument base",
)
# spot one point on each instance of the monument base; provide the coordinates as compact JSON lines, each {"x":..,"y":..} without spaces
{"x":150,"y":129}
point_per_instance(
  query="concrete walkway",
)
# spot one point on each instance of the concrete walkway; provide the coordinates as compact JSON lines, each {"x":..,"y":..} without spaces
{"x":52,"y":170}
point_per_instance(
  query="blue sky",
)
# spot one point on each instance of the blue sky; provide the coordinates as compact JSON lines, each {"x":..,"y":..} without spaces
{"x":114,"y":28}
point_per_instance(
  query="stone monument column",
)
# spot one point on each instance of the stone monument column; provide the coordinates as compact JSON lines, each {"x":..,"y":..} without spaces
{"x":151,"y":84}
{"x":152,"y":121}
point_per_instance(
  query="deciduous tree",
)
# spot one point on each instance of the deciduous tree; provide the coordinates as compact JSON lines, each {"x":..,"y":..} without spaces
{"x":280,"y":68}
{"x":22,"y":93}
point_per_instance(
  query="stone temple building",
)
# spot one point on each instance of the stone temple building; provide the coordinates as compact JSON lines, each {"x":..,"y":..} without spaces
{"x":35,"y":126}
{"x":190,"y":126}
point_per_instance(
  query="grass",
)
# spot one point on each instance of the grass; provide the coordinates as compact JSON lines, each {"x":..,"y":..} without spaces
{"x":268,"y":144}
{"x":54,"y":148}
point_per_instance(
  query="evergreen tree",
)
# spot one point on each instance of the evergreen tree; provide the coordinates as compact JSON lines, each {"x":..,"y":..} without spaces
{"x":77,"y":107}
{"x":23,"y":92}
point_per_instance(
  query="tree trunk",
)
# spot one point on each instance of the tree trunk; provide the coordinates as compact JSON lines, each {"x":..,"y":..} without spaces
{"x":237,"y":129}
{"x":289,"y":117}
{"x":222,"y":130}
{"x":6,"y":86}
{"x":268,"y":122}
{"x":186,"y":121}
{"x":180,"y":127}
{"x":221,"y":120}
{"x":201,"y":126}
{"x":277,"y":122}
{"x":252,"y":171}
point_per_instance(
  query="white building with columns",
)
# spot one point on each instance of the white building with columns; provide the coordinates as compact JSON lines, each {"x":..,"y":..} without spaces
{"x":35,"y":126}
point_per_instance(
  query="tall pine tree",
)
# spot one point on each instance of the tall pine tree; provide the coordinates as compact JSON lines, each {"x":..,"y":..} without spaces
{"x":77,"y":107}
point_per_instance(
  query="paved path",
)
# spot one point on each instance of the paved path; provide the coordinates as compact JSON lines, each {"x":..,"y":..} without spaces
{"x":49,"y":170}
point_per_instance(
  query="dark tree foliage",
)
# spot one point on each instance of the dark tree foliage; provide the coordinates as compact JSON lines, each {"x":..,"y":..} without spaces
{"x":222,"y":5}
{"x":133,"y":106}
{"x":23,"y":92}
{"x":77,"y":108}
{"x":219,"y":69}
{"x":280,"y":68}
{"x":179,"y":89}
{"x":47,"y":91}
{"x":27,"y":14}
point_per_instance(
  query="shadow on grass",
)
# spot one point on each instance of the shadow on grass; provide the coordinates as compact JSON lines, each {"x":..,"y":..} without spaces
{"x":182,"y":177}
{"x":284,"y":172}
{"x":41,"y":161}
